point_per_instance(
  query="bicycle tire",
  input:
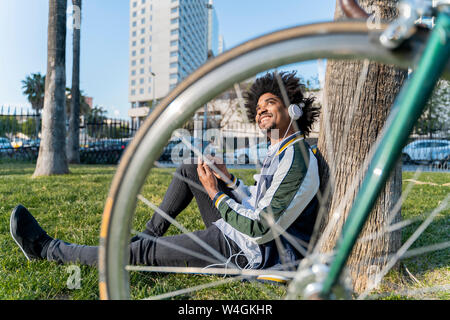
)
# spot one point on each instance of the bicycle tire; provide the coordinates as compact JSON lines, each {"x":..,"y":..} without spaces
{"x":338,"y":40}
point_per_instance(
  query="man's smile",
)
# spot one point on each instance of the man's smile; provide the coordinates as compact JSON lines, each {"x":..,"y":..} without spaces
{"x":265,"y":117}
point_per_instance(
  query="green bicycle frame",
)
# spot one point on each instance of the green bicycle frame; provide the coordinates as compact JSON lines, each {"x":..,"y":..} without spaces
{"x":407,"y":109}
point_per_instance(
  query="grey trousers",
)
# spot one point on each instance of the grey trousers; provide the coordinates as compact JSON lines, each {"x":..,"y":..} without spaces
{"x":159,"y":250}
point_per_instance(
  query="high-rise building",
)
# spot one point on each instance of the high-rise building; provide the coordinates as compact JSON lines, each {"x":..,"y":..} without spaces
{"x":169,"y":39}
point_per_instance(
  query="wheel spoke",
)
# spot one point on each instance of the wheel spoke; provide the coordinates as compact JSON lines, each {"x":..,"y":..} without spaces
{"x":211,"y":271}
{"x":405,"y":247}
{"x":192,"y":289}
{"x":387,"y":227}
{"x":184,"y":230}
{"x":175,"y":247}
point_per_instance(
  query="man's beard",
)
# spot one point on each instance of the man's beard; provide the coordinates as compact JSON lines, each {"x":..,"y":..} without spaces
{"x":271,"y":131}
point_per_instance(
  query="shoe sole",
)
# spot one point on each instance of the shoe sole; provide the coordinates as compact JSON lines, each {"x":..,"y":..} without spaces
{"x":273,"y":278}
{"x":12,"y":235}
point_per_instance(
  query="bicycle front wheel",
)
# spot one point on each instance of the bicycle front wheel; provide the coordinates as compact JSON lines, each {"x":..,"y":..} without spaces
{"x":336,"y":40}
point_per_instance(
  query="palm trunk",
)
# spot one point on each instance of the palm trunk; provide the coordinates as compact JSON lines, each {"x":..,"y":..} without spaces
{"x":73,"y":141}
{"x":52,"y":155}
{"x":363,"y":109}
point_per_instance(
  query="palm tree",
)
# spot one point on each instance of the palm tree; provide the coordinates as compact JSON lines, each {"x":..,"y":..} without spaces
{"x":34,"y":88}
{"x":85,"y":108}
{"x":52,"y":152}
{"x":73,"y":141}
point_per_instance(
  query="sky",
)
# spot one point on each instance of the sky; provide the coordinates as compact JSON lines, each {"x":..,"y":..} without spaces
{"x":104,"y":42}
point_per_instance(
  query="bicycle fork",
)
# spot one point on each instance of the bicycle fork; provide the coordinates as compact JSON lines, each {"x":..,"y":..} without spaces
{"x":407,"y":108}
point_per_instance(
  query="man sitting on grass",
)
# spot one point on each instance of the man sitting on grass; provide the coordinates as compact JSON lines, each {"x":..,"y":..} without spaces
{"x":260,"y":226}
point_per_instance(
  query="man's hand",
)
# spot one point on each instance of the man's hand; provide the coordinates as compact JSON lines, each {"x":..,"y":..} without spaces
{"x":208,"y":179}
{"x":222,"y":168}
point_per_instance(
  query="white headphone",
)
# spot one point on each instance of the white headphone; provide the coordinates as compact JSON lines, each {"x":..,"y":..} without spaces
{"x":296,"y":111}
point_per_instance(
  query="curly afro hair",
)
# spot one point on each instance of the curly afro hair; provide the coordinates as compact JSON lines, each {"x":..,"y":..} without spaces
{"x":293,"y":89}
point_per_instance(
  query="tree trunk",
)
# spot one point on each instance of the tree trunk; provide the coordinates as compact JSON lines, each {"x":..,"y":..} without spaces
{"x":358,"y":97}
{"x":73,"y":141}
{"x":52,"y":151}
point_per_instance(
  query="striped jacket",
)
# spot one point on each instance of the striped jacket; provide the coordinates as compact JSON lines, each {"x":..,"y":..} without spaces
{"x":283,"y":200}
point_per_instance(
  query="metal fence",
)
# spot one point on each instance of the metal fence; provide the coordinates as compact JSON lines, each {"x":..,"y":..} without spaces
{"x":103,"y":140}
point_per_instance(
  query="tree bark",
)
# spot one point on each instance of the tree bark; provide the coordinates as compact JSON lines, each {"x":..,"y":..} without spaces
{"x":359,"y":108}
{"x":52,"y":155}
{"x":73,"y":141}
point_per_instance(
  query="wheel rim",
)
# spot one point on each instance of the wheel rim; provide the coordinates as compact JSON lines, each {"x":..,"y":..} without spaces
{"x":185,"y":100}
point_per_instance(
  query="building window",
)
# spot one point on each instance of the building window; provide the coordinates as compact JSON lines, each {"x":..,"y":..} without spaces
{"x":174,"y":65}
{"x":133,"y":82}
{"x":142,"y":70}
{"x":133,"y":62}
{"x":141,"y":91}
{"x":173,"y":21}
{"x":134,"y":14}
{"x":133,"y":53}
{"x":142,"y":40}
{"x":174,"y":54}
{"x":142,"y":50}
{"x":133,"y":92}
{"x":142,"y":30}
{"x":142,"y":61}
{"x":134,"y":33}
{"x":143,"y":21}
{"x":133,"y":72}
{"x":134,"y":44}
{"x":134,"y":4}
{"x":174,"y":10}
{"x":141,"y":81}
{"x":173,"y":43}
{"x":134,"y":23}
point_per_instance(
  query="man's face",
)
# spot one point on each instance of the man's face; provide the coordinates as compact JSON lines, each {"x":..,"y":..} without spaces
{"x":271,"y":113}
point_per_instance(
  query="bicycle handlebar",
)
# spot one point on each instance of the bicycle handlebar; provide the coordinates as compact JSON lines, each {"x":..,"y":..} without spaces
{"x":352,"y":9}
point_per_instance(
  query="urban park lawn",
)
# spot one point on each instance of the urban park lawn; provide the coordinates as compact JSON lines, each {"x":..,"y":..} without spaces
{"x":69,"y":207}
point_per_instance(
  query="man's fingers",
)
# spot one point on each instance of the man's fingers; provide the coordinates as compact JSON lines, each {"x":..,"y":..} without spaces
{"x":207,"y":169}
{"x":200,"y":169}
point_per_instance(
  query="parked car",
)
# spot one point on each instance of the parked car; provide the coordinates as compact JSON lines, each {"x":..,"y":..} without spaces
{"x":5,"y":144}
{"x":177,"y":152}
{"x":35,"y":143}
{"x":17,"y":143}
{"x":106,"y":145}
{"x":427,"y":151}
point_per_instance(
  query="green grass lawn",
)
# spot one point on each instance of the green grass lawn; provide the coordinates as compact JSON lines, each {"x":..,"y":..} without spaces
{"x":69,"y":207}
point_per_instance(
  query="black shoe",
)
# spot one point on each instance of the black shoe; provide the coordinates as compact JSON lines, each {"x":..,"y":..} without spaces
{"x":28,"y":234}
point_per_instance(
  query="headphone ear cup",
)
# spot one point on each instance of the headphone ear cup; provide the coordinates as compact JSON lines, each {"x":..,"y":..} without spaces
{"x":295,"y":112}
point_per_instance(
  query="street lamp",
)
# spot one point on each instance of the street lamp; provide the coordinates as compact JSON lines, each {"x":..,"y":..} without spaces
{"x":154,"y":86}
